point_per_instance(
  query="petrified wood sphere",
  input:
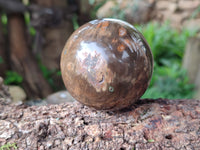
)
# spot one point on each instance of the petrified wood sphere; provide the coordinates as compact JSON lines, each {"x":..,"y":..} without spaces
{"x":106,"y":64}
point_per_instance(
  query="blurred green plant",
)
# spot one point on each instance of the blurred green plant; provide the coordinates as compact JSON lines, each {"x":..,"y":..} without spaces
{"x":167,"y":44}
{"x":58,"y":73}
{"x":118,"y":13}
{"x":95,"y":7}
{"x":75,"y":21}
{"x":9,"y":146}
{"x":169,"y":79}
{"x":151,"y":140}
{"x":27,"y":19}
{"x":49,"y":74}
{"x":195,"y":12}
{"x":13,"y":78}
{"x":25,"y":2}
{"x":169,"y":82}
{"x":4,"y":19}
{"x":1,"y":60}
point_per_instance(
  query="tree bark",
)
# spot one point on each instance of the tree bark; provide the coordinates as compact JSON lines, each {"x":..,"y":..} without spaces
{"x":159,"y":124}
{"x":23,"y":61}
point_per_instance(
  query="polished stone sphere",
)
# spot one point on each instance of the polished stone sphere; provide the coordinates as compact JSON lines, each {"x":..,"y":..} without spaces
{"x":106,"y":64}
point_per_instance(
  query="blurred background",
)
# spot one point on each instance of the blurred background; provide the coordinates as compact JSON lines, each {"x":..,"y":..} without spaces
{"x":33,"y":34}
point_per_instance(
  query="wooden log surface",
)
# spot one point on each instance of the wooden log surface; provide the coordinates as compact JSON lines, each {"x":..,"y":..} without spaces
{"x":157,"y":124}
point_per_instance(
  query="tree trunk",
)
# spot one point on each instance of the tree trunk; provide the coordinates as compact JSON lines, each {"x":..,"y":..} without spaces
{"x":22,"y":60}
{"x":84,"y":11}
{"x":149,"y":124}
{"x":55,"y":34}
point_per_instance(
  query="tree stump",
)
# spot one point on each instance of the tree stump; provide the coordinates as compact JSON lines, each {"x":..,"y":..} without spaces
{"x":148,"y":124}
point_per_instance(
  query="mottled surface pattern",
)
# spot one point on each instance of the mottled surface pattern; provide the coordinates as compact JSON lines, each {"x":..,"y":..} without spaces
{"x":106,"y":64}
{"x":150,"y":124}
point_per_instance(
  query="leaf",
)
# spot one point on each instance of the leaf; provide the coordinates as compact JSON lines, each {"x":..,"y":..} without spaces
{"x":13,"y":77}
{"x":151,"y":140}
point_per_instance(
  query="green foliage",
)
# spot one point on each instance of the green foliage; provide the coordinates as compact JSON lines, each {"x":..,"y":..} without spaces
{"x":25,"y":2}
{"x":151,"y":140}
{"x":8,"y":146}
{"x":4,"y":19}
{"x":195,"y":12}
{"x":75,"y":22}
{"x":169,"y":79}
{"x":1,"y":60}
{"x":96,"y":7}
{"x":166,"y":43}
{"x":58,"y":73}
{"x":13,"y":77}
{"x":49,"y":74}
{"x":169,"y":82}
{"x":27,"y":19}
{"x":118,"y":13}
{"x":32,"y":31}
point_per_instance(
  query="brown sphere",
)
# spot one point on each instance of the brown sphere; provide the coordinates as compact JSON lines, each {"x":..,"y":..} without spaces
{"x":106,"y":64}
